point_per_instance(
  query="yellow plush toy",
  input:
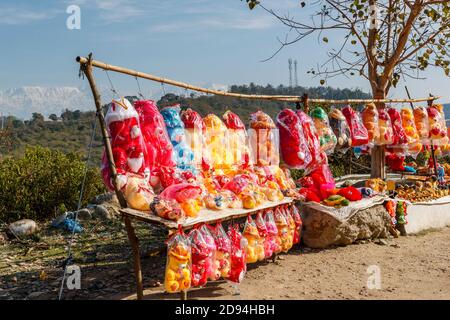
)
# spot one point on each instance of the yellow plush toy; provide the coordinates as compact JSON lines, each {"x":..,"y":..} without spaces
{"x":408,"y":124}
{"x":255,"y":248}
{"x":370,"y":121}
{"x":216,"y":135}
{"x":178,"y":269}
{"x":138,"y":193}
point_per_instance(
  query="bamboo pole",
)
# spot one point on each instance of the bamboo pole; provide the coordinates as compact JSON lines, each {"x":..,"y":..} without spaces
{"x":86,"y":67}
{"x":105,"y":66}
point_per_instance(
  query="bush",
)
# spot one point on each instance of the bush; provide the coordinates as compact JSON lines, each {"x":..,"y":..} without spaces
{"x":42,"y":180}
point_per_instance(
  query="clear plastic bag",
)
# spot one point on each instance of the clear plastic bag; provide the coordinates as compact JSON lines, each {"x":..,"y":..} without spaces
{"x":386,"y":136}
{"x":263,"y":234}
{"x":167,"y":209}
{"x":202,"y":257}
{"x":187,"y":195}
{"x":255,"y":244}
{"x":298,"y":223}
{"x":340,"y":129}
{"x":399,"y":145}
{"x":421,"y":122}
{"x":216,"y":142}
{"x":325,"y":134}
{"x":157,"y":142}
{"x":273,"y":240}
{"x":238,"y":254}
{"x":291,"y":226}
{"x":359,"y":133}
{"x":195,"y":129}
{"x":436,"y":124}
{"x":237,"y":140}
{"x":178,"y":266}
{"x":138,"y":193}
{"x":263,"y":140}
{"x":370,"y":120}
{"x":414,"y":144}
{"x":293,"y":144}
{"x":224,"y":247}
{"x":182,"y":153}
{"x":283,"y":230}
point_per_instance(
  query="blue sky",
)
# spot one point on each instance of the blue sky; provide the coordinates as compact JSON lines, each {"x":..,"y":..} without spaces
{"x":197,"y":41}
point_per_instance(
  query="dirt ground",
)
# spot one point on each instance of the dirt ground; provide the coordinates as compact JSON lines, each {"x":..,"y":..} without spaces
{"x":413,"y":267}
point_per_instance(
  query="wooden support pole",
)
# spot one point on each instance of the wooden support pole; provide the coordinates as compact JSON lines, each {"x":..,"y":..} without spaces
{"x":134,"y":242}
{"x":86,"y":67}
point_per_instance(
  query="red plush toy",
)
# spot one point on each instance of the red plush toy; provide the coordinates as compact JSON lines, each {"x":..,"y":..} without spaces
{"x":360,"y":135}
{"x":238,"y":254}
{"x":350,"y":193}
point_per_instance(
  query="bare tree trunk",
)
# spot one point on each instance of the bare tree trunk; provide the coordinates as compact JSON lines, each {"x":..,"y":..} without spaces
{"x":377,"y":166}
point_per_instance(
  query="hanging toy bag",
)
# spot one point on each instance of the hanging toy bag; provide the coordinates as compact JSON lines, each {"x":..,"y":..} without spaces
{"x":237,"y":140}
{"x":238,"y":254}
{"x":178,"y":267}
{"x":293,"y":144}
{"x":272,"y":232}
{"x":263,"y":139}
{"x":223,"y":252}
{"x":370,"y":117}
{"x":195,"y":129}
{"x":291,"y":225}
{"x":216,"y":142}
{"x":408,"y":124}
{"x":386,"y":136}
{"x":436,"y":125}
{"x":340,"y":130}
{"x":264,"y":234}
{"x":255,"y":244}
{"x":400,"y":143}
{"x":325,"y":134}
{"x":283,"y":230}
{"x":360,"y":136}
{"x":422,"y":125}
{"x":298,"y":223}
{"x":202,"y":255}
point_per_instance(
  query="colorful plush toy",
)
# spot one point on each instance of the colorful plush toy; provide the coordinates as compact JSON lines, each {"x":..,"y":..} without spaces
{"x":293,"y":144}
{"x":167,"y":209}
{"x":223,"y":251}
{"x":400,"y":141}
{"x":202,"y":257}
{"x":336,"y":201}
{"x":157,"y":142}
{"x":350,"y":193}
{"x":386,"y":132}
{"x":238,"y":254}
{"x":340,"y":129}
{"x":436,"y":125}
{"x":291,"y":225}
{"x":272,"y":243}
{"x":187,"y":195}
{"x":194,"y":130}
{"x":263,"y":139}
{"x":326,"y":135}
{"x":414,"y":144}
{"x":138,"y":193}
{"x":370,"y":121}
{"x":401,"y":212}
{"x":376,"y":184}
{"x":255,"y":247}
{"x":359,"y":133}
{"x":237,"y":140}
{"x":421,"y":122}
{"x":178,"y":269}
{"x":298,"y":224}
{"x":283,"y":230}
{"x":182,"y":153}
{"x":216,"y":142}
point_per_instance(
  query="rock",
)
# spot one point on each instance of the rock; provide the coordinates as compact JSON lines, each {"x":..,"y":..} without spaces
{"x":83,"y":214}
{"x":381,"y":242}
{"x":35,"y":295}
{"x":3,"y":238}
{"x":24,"y":227}
{"x":109,"y":197}
{"x":101,"y":212}
{"x":321,"y":230}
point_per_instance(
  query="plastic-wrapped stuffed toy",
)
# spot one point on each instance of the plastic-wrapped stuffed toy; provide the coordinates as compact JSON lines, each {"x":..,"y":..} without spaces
{"x":238,"y":254}
{"x":310,"y":133}
{"x":414,"y":145}
{"x":340,"y":129}
{"x":395,"y":162}
{"x":195,"y":129}
{"x":298,"y":223}
{"x":436,"y":124}
{"x":386,"y":132}
{"x":255,"y":247}
{"x":202,"y":257}
{"x":421,"y":122}
{"x":216,"y":142}
{"x":127,"y":144}
{"x":283,"y":230}
{"x":157,"y":142}
{"x":326,"y":135}
{"x":370,"y":120}
{"x":138,"y":193}
{"x":237,"y":140}
{"x":272,"y":242}
{"x":401,"y":212}
{"x":291,"y":226}
{"x":182,"y":153}
{"x":350,"y":193}
{"x":263,"y":139}
{"x":178,"y":267}
{"x":167,"y":209}
{"x":223,"y":252}
{"x":294,"y":147}
{"x":187,"y":195}
{"x":358,"y":131}
{"x":263,"y":234}
{"x":399,"y":145}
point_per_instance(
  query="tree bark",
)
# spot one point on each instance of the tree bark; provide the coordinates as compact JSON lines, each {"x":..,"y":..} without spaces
{"x":377,"y":165}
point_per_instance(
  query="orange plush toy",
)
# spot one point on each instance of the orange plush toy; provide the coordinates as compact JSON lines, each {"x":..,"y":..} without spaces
{"x":370,"y":121}
{"x":414,"y":145}
{"x":421,"y":122}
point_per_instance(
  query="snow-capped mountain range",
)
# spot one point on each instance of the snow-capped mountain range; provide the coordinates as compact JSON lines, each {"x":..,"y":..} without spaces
{"x":23,"y":102}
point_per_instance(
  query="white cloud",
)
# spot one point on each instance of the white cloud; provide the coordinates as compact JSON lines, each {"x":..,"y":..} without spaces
{"x":19,"y":16}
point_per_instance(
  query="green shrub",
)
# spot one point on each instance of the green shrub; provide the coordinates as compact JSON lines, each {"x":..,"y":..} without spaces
{"x":36,"y":184}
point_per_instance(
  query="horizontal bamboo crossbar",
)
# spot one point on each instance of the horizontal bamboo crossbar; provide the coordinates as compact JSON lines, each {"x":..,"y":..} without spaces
{"x":108,"y":67}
